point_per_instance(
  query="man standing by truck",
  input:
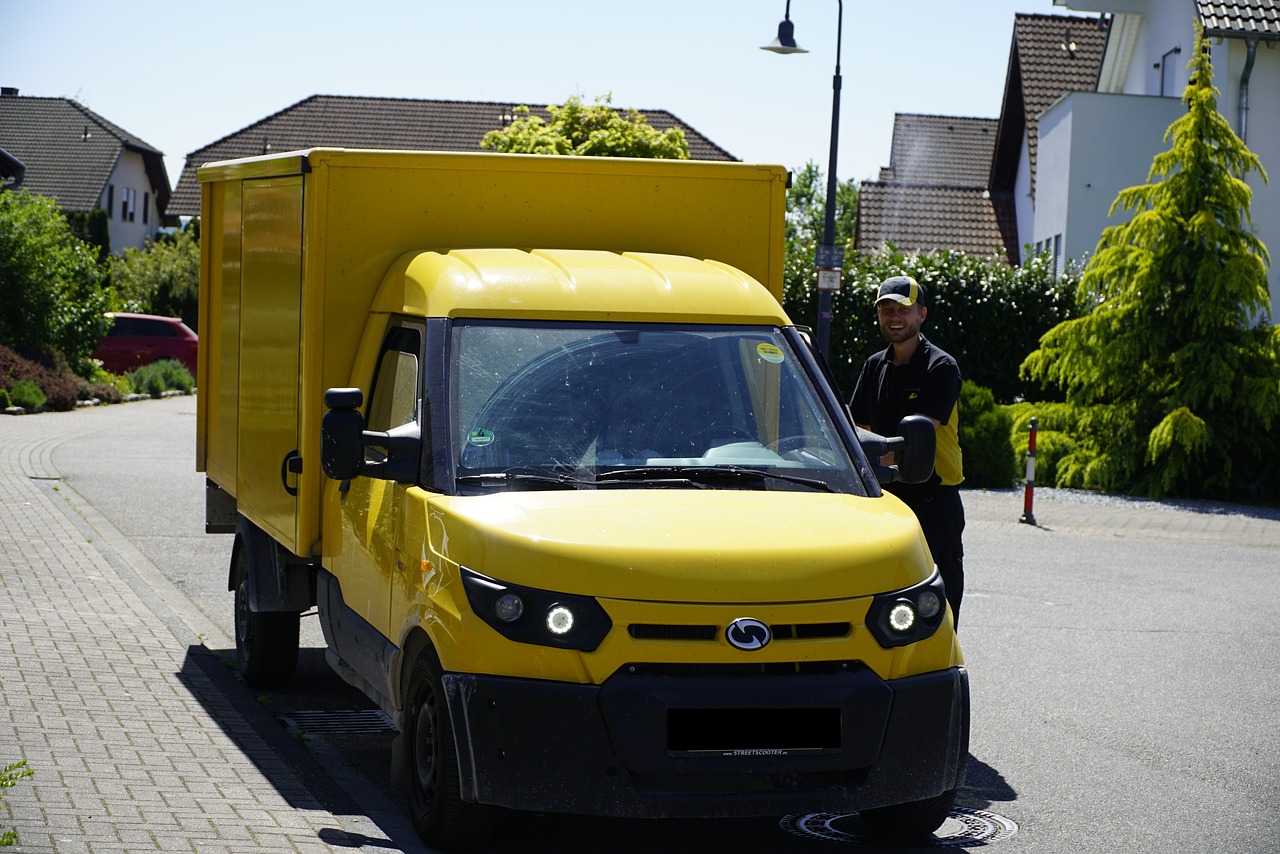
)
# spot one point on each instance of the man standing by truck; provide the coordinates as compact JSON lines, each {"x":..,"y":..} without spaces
{"x":913,"y":377}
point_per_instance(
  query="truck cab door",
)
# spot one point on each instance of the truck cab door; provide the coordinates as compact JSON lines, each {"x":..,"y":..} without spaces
{"x":372,"y":508}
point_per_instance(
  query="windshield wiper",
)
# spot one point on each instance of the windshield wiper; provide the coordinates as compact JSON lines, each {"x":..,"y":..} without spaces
{"x":529,"y":477}
{"x":708,"y":474}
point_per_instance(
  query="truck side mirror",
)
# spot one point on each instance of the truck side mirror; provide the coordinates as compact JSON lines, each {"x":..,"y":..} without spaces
{"x":915,"y":444}
{"x":920,"y":442}
{"x":342,"y":434}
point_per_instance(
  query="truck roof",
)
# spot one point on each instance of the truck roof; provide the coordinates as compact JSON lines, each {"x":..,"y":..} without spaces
{"x":574,"y":284}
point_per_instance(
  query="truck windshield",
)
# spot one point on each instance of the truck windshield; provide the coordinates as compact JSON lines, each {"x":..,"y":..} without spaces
{"x":555,"y":405}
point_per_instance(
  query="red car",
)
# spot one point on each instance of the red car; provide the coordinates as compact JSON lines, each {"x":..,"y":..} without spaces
{"x":140,"y":339}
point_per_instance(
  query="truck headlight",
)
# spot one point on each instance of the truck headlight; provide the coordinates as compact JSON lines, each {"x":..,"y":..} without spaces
{"x":508,"y":608}
{"x":907,"y":616}
{"x":559,"y":620}
{"x":531,"y":615}
{"x":902,"y":617}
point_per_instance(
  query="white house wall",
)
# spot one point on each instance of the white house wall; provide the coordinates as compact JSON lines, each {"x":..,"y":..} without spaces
{"x":1024,"y":205}
{"x":1168,"y":28}
{"x":129,"y":174}
{"x":1092,"y":146}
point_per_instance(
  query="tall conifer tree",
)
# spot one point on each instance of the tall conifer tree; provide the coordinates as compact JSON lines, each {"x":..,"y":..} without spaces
{"x":1176,"y":369}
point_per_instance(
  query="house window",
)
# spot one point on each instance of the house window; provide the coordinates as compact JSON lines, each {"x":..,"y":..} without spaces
{"x":129,"y":204}
{"x":1057,"y":254}
{"x":111,"y":199}
{"x":146,"y":207}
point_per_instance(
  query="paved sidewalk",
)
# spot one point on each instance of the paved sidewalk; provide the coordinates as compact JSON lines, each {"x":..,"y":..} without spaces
{"x":117,"y":710}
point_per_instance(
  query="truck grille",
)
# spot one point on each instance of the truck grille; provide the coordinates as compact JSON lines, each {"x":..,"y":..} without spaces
{"x":775,"y":668}
{"x":781,"y":632}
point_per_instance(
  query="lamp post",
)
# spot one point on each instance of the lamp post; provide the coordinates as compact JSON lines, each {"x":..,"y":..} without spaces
{"x":829,"y":258}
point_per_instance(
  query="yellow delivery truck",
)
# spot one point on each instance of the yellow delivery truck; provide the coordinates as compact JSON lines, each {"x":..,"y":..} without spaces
{"x":574,"y":500}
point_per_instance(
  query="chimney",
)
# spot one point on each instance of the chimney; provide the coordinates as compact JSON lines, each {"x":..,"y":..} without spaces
{"x":8,"y":91}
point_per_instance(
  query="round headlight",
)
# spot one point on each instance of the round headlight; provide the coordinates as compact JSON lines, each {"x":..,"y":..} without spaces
{"x":902,"y":617}
{"x":559,"y":620}
{"x":508,"y":608}
{"x":930,"y":603}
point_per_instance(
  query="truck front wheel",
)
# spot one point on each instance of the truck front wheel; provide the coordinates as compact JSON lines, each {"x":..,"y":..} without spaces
{"x":440,"y":815}
{"x":266,"y":641}
{"x":912,"y":820}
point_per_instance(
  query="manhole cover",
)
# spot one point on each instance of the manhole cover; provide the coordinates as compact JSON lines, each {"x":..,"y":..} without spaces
{"x":339,"y":720}
{"x":964,"y":828}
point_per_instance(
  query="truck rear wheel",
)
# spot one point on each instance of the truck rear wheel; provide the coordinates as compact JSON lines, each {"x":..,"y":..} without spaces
{"x":912,"y":820}
{"x":440,"y":815}
{"x":266,"y":641}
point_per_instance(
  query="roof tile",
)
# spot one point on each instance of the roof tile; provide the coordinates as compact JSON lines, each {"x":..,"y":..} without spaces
{"x":1241,"y":17}
{"x":949,"y":150}
{"x":918,"y":217}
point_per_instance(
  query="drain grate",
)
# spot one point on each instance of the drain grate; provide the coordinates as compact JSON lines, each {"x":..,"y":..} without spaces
{"x":964,"y":828}
{"x":338,"y":720}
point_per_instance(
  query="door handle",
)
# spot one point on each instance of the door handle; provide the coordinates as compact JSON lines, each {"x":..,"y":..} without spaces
{"x":291,"y":464}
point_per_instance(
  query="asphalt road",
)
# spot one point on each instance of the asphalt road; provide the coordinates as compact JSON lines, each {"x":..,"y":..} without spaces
{"x":1122,"y":659}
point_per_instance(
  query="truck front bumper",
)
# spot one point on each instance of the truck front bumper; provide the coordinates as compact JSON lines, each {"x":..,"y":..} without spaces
{"x":656,"y":745}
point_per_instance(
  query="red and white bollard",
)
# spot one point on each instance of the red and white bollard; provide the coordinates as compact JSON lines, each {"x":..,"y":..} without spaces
{"x":1029,"y":494}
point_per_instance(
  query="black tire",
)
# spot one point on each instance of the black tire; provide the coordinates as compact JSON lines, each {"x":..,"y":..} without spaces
{"x":912,"y":820}
{"x":266,"y":642}
{"x":440,"y":815}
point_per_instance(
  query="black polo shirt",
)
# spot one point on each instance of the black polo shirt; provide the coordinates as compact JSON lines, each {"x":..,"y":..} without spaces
{"x":927,"y":385}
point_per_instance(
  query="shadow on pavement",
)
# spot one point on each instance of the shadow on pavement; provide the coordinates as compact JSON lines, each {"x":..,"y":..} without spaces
{"x":255,"y":729}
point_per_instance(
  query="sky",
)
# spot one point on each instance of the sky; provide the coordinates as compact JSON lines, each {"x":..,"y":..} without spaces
{"x":180,"y":75}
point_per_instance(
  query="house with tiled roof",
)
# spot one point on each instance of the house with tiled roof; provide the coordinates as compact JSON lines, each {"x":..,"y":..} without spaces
{"x":341,"y":121}
{"x":933,"y":193}
{"x":58,"y":148}
{"x":1050,"y":57}
{"x":970,"y":183}
{"x":1095,"y":141}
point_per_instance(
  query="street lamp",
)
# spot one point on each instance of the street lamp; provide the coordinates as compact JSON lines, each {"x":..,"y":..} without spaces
{"x":829,"y":258}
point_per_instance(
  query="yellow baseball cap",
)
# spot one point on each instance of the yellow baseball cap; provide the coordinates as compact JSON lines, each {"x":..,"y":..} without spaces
{"x":901,"y":289}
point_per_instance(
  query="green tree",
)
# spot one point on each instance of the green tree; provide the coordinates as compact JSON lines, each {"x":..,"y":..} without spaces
{"x":1174,"y":369}
{"x":162,"y":277}
{"x":806,"y":214}
{"x":52,"y":296}
{"x":597,"y":130}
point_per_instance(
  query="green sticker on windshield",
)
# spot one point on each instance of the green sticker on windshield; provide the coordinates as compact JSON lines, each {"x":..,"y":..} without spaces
{"x":769,"y":353}
{"x":480,"y":437}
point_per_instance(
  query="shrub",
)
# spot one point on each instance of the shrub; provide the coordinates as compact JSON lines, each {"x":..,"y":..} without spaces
{"x":161,"y":376}
{"x":102,"y":392}
{"x":27,"y":394}
{"x":984,"y":430}
{"x":52,"y":295}
{"x":147,"y":380}
{"x":59,"y":387}
{"x":5,"y":402}
{"x":176,"y":376}
{"x":1055,"y":427}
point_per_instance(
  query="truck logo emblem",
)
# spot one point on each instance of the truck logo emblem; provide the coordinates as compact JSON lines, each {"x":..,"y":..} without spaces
{"x":748,"y":634}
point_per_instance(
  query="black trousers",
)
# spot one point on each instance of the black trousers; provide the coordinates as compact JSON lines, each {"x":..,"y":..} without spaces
{"x":941,"y":515}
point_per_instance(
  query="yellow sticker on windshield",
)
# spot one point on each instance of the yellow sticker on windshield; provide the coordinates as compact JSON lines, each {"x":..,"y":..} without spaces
{"x":769,"y":353}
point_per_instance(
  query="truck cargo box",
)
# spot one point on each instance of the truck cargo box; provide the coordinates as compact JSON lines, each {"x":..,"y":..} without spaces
{"x":316,"y":232}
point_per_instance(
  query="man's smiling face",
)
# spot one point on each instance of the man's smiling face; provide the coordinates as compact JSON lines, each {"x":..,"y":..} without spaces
{"x":899,"y":322}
